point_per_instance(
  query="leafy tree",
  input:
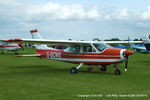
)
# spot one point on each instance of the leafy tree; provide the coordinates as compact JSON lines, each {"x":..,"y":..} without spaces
{"x":136,"y":40}
{"x":96,"y":39}
{"x":113,"y":39}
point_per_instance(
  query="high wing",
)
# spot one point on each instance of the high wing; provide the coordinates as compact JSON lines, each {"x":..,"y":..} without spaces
{"x":66,"y":42}
{"x":122,"y":42}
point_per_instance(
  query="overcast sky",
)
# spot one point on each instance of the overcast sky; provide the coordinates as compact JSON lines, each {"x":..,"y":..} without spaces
{"x":75,"y":19}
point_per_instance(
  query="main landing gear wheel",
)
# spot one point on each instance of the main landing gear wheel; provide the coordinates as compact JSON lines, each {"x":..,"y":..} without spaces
{"x":2,"y":52}
{"x":103,"y":68}
{"x":117,"y":72}
{"x":73,"y":70}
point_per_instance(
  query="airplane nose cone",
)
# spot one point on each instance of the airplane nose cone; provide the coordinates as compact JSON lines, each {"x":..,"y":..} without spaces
{"x":128,"y":52}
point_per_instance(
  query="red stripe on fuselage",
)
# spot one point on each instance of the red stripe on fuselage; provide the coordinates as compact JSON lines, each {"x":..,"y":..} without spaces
{"x":110,"y":53}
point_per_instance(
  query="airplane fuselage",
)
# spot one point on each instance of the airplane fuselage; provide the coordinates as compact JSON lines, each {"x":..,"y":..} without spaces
{"x":10,"y":47}
{"x":108,"y":56}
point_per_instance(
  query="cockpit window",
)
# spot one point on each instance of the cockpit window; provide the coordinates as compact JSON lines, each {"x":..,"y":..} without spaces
{"x":74,"y":49}
{"x":101,"y":46}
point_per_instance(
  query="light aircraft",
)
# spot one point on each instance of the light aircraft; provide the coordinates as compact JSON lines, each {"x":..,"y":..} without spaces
{"x":80,"y":52}
{"x":139,"y":48}
{"x":5,"y":46}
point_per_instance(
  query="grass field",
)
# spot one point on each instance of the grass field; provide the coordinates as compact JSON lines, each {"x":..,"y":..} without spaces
{"x":41,"y":79}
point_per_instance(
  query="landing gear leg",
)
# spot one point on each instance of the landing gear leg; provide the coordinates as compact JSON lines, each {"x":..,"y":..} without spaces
{"x":103,"y":68}
{"x":74,"y":70}
{"x":117,"y":71}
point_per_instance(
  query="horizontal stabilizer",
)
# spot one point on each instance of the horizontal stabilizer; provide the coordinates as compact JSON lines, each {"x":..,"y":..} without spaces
{"x":30,"y":55}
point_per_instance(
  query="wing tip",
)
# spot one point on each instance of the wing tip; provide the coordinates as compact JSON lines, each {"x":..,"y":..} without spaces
{"x":19,"y":56}
{"x":13,"y":40}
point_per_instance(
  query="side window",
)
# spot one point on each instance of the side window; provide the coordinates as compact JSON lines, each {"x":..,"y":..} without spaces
{"x":149,"y":36}
{"x":88,"y":49}
{"x":74,"y":49}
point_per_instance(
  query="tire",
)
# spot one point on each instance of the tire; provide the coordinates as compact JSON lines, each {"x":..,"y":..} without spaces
{"x":2,"y":53}
{"x":73,"y":70}
{"x":117,"y":72}
{"x":103,"y":68}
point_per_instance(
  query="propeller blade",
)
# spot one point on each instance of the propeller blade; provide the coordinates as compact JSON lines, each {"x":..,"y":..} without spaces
{"x":22,"y":48}
{"x":126,"y":62}
{"x":126,"y":55}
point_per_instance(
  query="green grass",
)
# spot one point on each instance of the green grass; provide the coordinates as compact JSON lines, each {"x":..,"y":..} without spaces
{"x":32,"y":78}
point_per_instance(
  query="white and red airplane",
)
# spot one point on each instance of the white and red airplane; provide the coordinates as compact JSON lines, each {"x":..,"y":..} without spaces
{"x":80,"y":52}
{"x":5,"y":46}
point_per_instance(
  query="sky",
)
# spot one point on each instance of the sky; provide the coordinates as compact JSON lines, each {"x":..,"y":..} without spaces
{"x":75,"y":19}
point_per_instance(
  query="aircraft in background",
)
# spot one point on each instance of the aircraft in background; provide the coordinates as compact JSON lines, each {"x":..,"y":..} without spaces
{"x":146,"y":41}
{"x":80,"y":52}
{"x":120,"y":46}
{"x":137,"y":47}
{"x":6,"y":46}
{"x":140,"y":49}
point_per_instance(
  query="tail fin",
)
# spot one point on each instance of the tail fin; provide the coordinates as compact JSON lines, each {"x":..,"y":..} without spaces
{"x":146,"y":41}
{"x":36,"y":35}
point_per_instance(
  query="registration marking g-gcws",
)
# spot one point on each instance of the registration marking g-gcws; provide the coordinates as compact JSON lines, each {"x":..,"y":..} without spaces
{"x":53,"y":54}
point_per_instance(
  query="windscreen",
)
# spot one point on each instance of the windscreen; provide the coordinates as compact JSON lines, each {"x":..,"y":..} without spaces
{"x":101,"y":46}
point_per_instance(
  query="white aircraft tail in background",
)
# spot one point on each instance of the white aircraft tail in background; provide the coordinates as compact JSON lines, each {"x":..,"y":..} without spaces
{"x":36,"y":35}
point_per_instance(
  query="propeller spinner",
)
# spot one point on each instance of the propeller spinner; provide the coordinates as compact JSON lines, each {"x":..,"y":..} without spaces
{"x":20,"y":45}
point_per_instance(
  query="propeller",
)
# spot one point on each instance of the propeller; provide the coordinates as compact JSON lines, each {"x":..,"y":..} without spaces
{"x":126,"y":62}
{"x":126,"y":55}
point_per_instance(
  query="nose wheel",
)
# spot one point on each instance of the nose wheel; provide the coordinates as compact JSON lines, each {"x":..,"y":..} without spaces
{"x":117,"y":71}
